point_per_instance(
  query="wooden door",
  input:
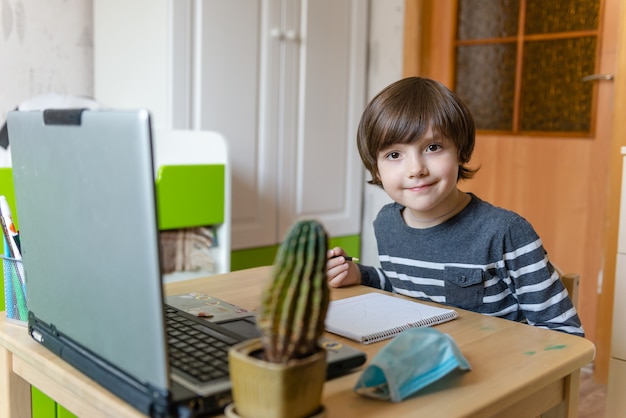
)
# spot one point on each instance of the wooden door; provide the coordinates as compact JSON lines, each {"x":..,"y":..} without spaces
{"x":561,"y":184}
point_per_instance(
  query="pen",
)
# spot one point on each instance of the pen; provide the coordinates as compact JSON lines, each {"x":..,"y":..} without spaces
{"x":14,"y":277}
{"x":8,"y":283}
{"x":8,"y":229}
{"x":12,"y":238}
{"x":348,"y":258}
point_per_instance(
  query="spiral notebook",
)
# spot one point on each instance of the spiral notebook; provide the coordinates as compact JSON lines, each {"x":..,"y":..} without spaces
{"x":375,"y":317}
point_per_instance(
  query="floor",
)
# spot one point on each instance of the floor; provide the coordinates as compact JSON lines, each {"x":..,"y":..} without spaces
{"x":592,"y":403}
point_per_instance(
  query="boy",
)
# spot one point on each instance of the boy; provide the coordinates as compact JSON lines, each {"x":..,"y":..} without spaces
{"x":436,"y":242}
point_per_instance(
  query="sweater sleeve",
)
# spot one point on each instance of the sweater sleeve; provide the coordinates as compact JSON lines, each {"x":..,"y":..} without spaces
{"x":374,"y":277}
{"x":540,"y":293}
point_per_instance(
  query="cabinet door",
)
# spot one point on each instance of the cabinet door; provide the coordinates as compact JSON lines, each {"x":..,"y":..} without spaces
{"x":322,"y":170}
{"x":284,"y":82}
{"x":238,"y":85}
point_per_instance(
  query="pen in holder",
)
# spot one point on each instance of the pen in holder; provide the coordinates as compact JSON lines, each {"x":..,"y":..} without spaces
{"x":15,"y":296}
{"x":15,"y":299}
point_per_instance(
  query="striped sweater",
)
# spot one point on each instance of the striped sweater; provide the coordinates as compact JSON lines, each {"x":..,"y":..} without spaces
{"x":485,"y":259}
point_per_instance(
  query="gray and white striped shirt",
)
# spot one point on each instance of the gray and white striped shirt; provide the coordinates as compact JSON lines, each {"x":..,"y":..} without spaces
{"x":485,"y":259}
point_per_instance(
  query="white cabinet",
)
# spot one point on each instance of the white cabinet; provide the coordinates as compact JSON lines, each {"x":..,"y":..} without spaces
{"x":618,"y":334}
{"x":616,"y":402}
{"x":284,"y":81}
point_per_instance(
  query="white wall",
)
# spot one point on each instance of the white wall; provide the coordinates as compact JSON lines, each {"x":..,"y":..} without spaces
{"x":46,"y":46}
{"x":385,"y":67}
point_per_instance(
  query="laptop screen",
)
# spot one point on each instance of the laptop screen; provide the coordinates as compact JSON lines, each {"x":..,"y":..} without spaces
{"x":84,"y":188}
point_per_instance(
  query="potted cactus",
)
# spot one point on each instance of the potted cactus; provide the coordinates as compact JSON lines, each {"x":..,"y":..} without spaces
{"x":282,"y":373}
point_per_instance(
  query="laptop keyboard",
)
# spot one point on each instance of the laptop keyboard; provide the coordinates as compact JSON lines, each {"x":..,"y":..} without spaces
{"x":197,"y":351}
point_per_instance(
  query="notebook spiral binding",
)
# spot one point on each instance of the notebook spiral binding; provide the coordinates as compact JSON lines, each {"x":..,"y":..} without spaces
{"x":392,"y":332}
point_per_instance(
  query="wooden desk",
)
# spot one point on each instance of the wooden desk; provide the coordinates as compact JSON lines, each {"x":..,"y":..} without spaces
{"x":517,"y":370}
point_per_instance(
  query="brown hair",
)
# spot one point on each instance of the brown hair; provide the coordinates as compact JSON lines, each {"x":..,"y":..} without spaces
{"x":402,"y":113}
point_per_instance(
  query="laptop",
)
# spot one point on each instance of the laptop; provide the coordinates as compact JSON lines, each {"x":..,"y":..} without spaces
{"x":84,"y":189}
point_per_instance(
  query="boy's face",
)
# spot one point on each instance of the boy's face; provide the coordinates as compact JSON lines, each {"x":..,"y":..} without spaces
{"x":422,"y":175}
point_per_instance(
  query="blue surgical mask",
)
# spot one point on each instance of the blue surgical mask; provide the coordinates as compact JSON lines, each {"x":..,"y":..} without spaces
{"x":412,"y":360}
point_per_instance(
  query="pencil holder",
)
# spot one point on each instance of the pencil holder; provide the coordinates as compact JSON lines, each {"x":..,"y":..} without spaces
{"x":15,"y":296}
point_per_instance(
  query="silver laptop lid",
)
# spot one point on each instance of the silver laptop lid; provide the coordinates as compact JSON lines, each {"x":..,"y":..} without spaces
{"x":84,"y":188}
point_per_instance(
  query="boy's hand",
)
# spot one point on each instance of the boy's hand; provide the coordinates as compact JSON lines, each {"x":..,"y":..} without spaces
{"x":339,"y":271}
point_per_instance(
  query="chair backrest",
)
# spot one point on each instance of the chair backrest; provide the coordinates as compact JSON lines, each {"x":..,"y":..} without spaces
{"x":571,"y":281}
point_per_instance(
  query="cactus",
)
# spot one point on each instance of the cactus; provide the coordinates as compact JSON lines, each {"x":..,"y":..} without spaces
{"x":295,"y":301}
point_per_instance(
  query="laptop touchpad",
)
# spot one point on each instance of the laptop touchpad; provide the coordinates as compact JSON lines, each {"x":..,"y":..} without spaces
{"x":246,"y":327}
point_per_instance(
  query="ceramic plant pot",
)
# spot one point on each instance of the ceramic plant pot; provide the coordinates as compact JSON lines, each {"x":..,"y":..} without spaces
{"x":272,"y":390}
